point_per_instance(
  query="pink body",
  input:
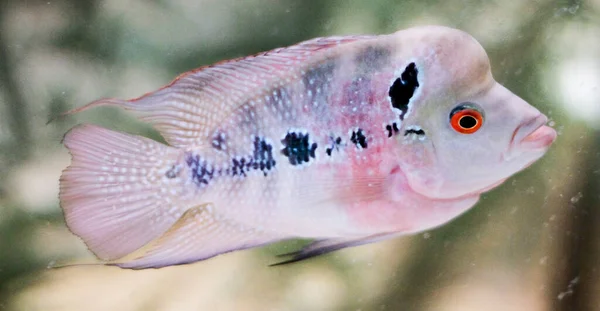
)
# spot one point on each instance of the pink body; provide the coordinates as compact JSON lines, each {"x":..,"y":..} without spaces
{"x":345,"y":140}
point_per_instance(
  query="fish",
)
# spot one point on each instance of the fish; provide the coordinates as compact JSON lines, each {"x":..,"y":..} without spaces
{"x":343,"y":140}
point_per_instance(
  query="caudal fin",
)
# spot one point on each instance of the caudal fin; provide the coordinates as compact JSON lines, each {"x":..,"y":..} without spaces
{"x":121,"y":191}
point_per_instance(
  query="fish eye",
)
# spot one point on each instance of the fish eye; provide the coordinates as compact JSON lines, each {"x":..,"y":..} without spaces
{"x":466,"y":118}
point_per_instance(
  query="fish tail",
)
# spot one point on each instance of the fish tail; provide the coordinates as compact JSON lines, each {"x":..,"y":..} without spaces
{"x":121,"y":191}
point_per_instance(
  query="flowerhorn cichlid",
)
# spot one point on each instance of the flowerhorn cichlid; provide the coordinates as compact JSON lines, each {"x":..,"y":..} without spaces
{"x":345,"y":140}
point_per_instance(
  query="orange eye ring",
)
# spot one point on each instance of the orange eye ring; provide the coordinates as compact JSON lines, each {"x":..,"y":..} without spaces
{"x":466,"y":120}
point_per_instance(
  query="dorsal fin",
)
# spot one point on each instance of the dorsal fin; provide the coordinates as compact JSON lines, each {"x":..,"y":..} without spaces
{"x":185,"y":110}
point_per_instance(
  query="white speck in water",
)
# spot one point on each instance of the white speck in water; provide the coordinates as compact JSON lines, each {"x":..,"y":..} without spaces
{"x":567,"y":10}
{"x":426,"y":235}
{"x":570,"y":289}
{"x":576,"y":198}
{"x":574,"y":8}
{"x":51,"y":264}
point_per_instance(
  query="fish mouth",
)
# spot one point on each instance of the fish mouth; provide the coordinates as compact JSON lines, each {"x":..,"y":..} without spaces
{"x":534,"y":134}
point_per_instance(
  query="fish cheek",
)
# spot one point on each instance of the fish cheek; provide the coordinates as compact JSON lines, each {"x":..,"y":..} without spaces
{"x":418,"y":161}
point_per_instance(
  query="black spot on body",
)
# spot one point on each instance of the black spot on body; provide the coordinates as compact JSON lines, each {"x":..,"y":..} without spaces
{"x":414,"y":131}
{"x":173,"y":171}
{"x":297,"y":148}
{"x":359,"y":139}
{"x":261,"y":159}
{"x":202,"y":171}
{"x":392,"y":129}
{"x":238,"y":167}
{"x":219,"y":141}
{"x":263,"y":156}
{"x":335,"y":145}
{"x":403,"y":89}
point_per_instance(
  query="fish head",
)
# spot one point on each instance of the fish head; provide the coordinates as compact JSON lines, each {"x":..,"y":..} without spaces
{"x":464,"y":133}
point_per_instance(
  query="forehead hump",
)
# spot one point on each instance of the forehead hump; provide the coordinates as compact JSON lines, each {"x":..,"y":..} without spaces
{"x":452,"y":57}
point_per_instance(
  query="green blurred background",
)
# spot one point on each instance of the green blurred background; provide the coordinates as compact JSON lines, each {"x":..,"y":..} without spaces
{"x":531,"y":244}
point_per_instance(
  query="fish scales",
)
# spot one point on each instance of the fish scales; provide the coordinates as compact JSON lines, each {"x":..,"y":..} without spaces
{"x":346,"y":140}
{"x":299,"y":105}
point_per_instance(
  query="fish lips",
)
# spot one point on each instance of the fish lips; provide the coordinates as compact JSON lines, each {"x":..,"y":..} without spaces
{"x":532,"y":136}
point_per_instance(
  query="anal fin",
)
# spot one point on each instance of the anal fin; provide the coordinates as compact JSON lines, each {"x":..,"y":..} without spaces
{"x":199,"y":234}
{"x":325,"y":246}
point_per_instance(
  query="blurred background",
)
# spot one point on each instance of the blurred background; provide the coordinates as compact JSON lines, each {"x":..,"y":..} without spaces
{"x":531,"y":244}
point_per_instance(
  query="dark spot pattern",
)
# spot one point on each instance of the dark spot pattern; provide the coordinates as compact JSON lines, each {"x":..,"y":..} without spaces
{"x":218,"y":141}
{"x":173,"y":171}
{"x":278,"y":102}
{"x":322,"y":72}
{"x":202,"y":171}
{"x":317,"y":85}
{"x":359,"y":91}
{"x":372,"y":58}
{"x":392,"y":129}
{"x":414,"y":131}
{"x":359,"y":139}
{"x":403,"y":89}
{"x":263,"y":155}
{"x":239,"y":166}
{"x":249,"y":118}
{"x":262,"y":159}
{"x":297,"y":148}
{"x":335,"y":145}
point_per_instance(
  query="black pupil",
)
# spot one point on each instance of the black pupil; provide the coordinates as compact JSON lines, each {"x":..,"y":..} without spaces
{"x":467,"y":122}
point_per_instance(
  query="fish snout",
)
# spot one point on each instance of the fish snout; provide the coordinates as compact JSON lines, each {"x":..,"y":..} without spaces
{"x":533,"y":134}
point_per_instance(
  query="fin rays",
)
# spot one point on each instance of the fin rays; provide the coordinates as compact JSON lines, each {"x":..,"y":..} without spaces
{"x":186,"y":109}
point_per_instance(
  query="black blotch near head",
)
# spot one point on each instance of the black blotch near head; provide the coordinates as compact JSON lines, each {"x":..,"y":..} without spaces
{"x":359,"y":139}
{"x":403,"y":89}
{"x":297,"y":148}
